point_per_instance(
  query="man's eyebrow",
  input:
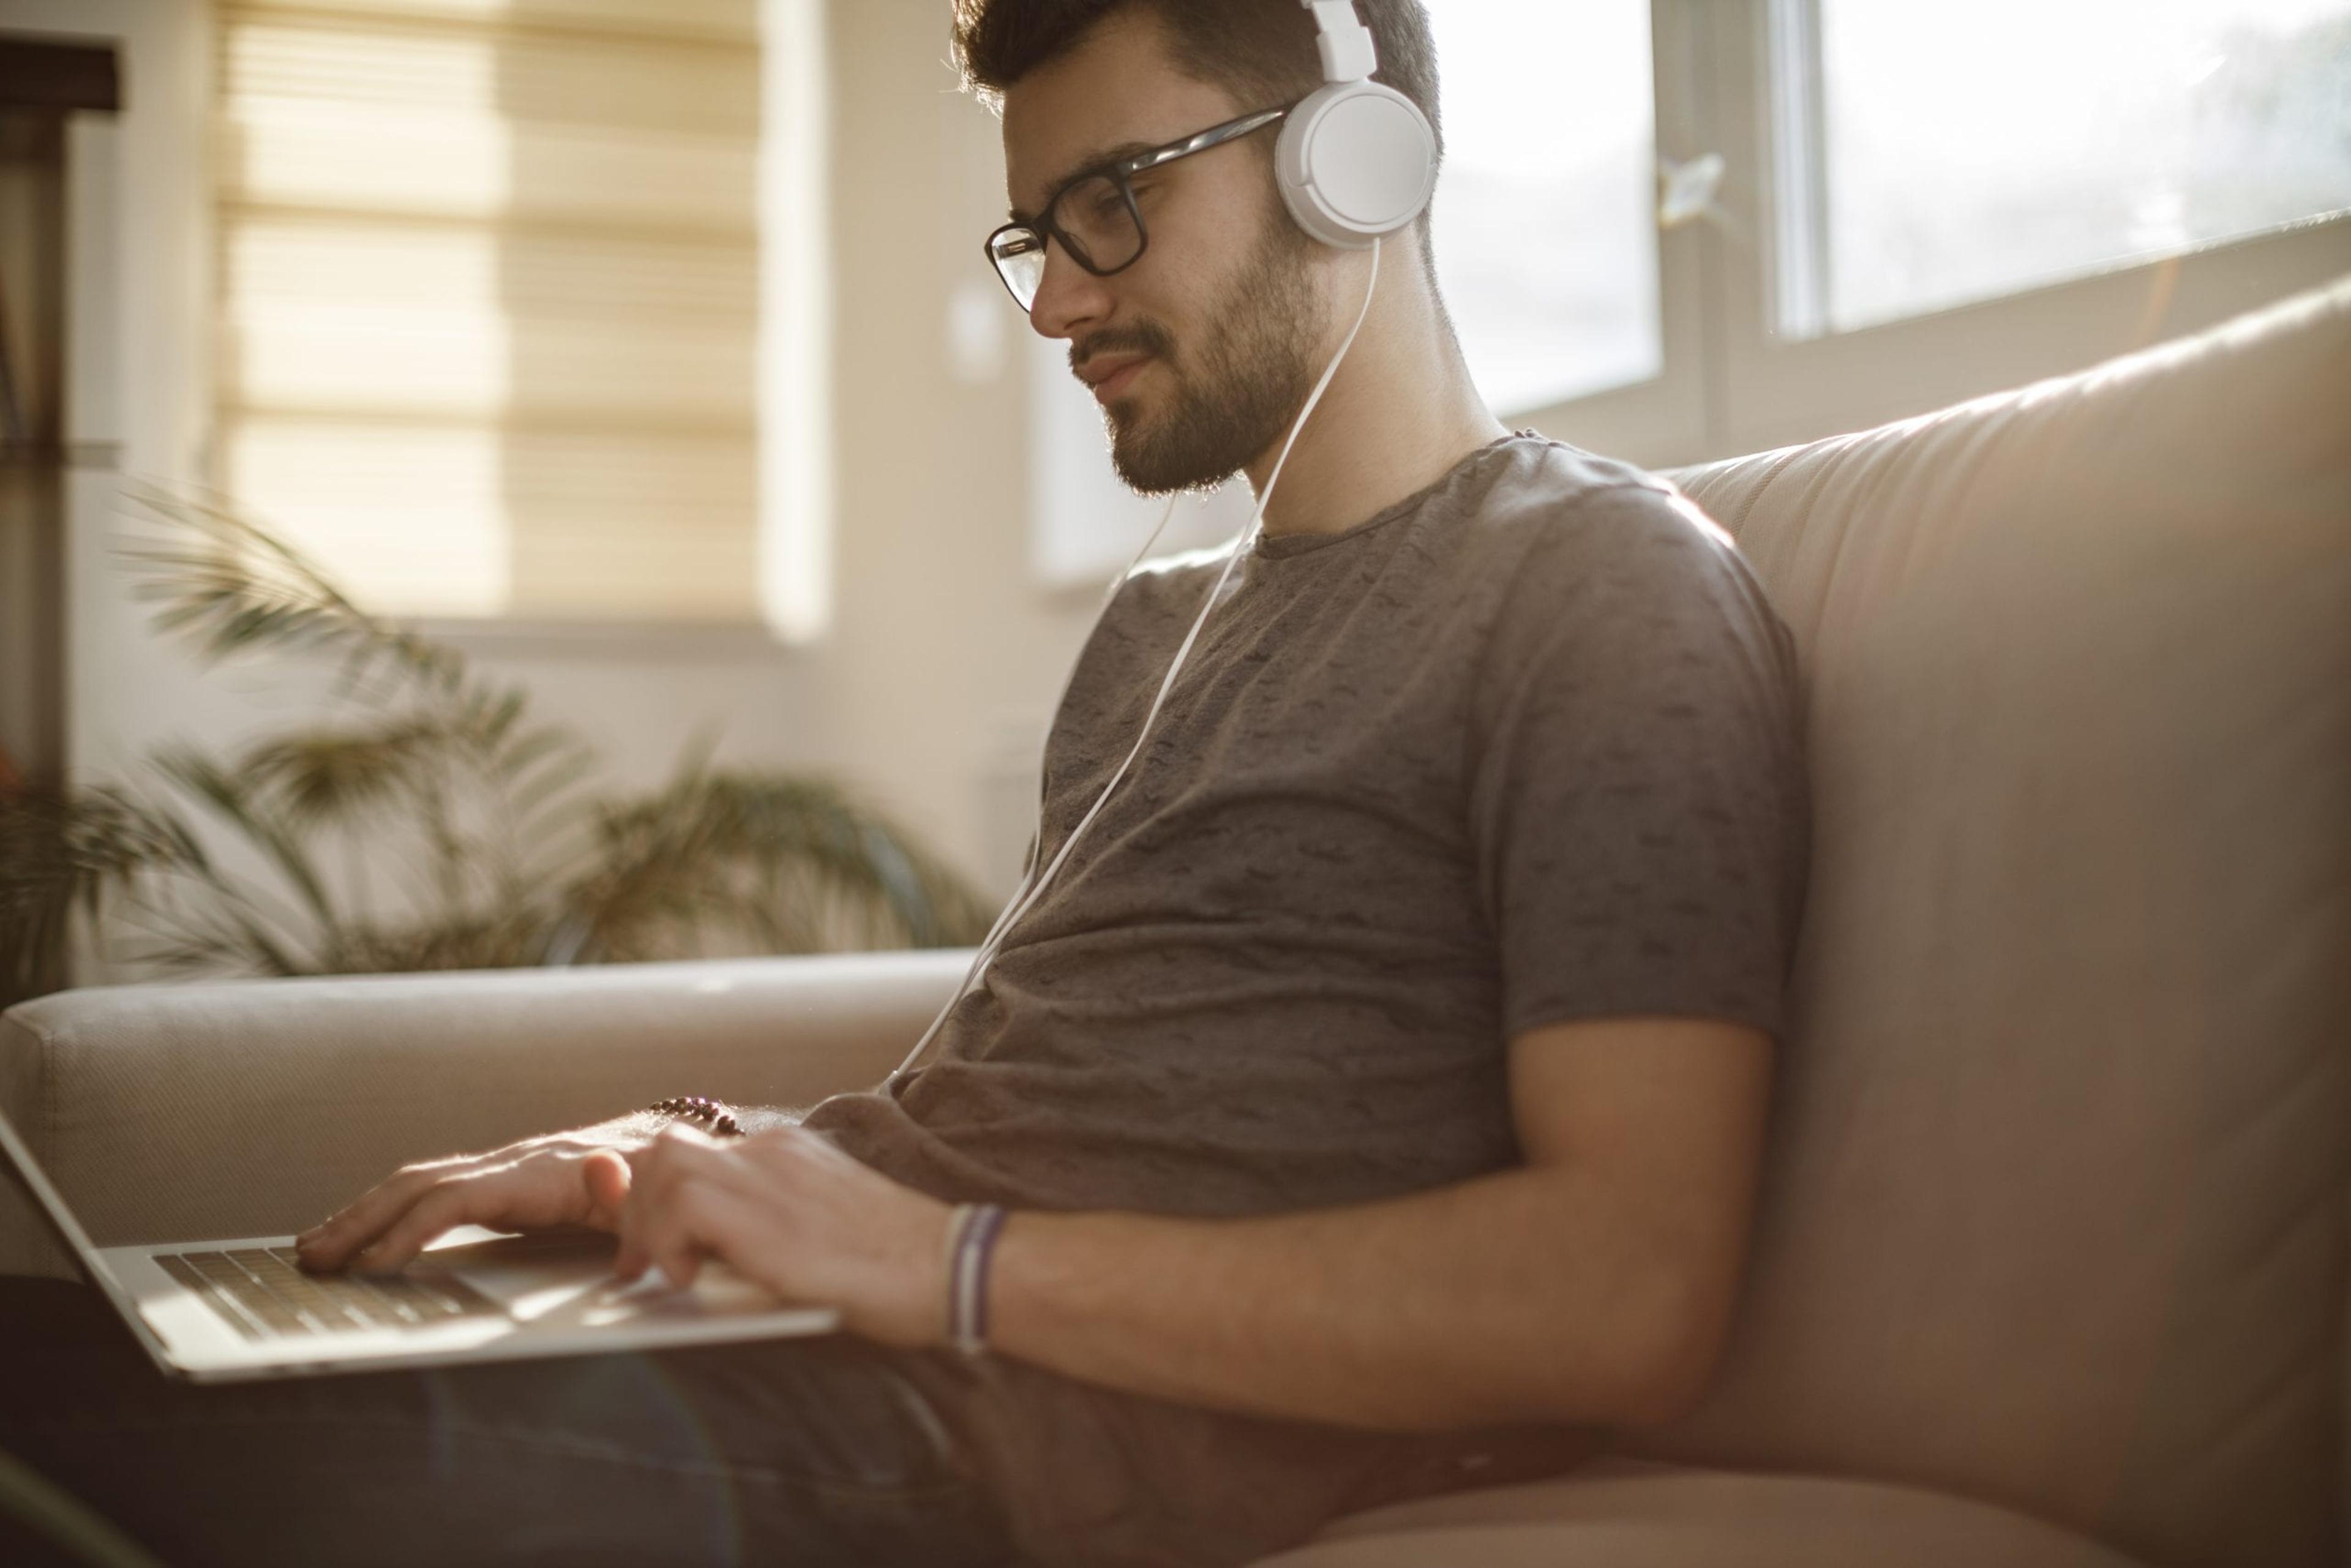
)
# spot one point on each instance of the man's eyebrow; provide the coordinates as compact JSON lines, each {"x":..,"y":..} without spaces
{"x":1084,"y":161}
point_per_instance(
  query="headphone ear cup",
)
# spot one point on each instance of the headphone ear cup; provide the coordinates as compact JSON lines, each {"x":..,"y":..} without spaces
{"x":1356,"y":160}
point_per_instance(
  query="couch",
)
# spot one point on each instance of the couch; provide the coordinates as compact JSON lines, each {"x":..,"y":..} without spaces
{"x":2055,"y":1233}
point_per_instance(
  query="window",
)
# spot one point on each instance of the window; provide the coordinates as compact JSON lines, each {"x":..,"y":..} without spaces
{"x":1922,"y":204}
{"x":490,"y":304}
{"x":2042,"y":141}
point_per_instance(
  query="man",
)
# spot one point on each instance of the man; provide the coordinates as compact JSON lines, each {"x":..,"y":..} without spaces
{"x":1376,"y":1096}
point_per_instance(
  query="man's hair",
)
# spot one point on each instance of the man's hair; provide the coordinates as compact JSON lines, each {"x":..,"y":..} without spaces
{"x":1260,"y":51}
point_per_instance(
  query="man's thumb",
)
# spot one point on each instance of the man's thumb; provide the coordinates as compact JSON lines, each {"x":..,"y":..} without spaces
{"x":606,"y":1172}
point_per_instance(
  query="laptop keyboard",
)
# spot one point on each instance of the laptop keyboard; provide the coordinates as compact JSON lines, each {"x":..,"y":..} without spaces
{"x":264,"y":1292}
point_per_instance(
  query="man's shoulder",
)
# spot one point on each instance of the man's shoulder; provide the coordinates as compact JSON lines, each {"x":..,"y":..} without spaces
{"x":1571,"y":536}
{"x":1554,"y":506}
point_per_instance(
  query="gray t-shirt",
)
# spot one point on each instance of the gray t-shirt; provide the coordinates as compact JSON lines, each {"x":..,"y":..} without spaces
{"x":1524,"y":747}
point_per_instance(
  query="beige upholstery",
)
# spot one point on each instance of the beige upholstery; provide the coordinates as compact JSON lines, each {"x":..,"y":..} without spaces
{"x":2061,"y":1206}
{"x":1619,"y":1514}
{"x":2056,"y":1229}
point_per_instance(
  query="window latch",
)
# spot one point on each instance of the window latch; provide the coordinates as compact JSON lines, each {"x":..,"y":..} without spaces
{"x":1687,"y":191}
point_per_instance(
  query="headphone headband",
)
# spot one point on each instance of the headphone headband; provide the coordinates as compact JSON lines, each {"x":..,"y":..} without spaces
{"x":1344,"y":43}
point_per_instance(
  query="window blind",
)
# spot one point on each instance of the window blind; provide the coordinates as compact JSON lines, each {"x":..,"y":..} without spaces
{"x":488,"y":283}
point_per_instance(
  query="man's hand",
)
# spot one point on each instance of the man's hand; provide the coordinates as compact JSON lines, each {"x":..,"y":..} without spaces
{"x":790,"y":1211}
{"x":563,"y":1178}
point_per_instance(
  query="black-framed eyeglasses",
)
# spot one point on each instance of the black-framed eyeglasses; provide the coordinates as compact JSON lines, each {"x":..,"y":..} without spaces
{"x":1093,"y":216}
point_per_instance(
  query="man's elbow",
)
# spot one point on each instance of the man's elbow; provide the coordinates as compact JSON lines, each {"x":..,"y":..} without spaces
{"x":1652,"y":1366}
{"x":1674,"y":1355}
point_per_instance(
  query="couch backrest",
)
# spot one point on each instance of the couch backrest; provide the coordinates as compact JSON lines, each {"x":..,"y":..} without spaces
{"x":2059,"y":1207}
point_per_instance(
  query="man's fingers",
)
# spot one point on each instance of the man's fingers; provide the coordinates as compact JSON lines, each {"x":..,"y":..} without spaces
{"x":679,"y":1152}
{"x":702,"y":1219}
{"x":329,"y":1244}
{"x":454,"y":1201}
{"x":660,"y":1171}
{"x":369,"y":1210}
{"x":607,"y":1176}
{"x":651,"y":1186}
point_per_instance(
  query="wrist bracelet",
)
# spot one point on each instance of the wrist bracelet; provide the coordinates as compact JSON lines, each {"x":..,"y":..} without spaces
{"x":697,"y":1108}
{"x":971,"y":1243}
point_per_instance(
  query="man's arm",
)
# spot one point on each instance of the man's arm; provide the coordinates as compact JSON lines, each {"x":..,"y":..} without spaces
{"x":1594,"y":1285}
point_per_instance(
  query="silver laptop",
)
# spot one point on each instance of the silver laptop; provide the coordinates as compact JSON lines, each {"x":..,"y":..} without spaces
{"x":216,"y":1312}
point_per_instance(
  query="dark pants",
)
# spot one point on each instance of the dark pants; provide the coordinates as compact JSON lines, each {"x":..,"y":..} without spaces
{"x":790,"y":1452}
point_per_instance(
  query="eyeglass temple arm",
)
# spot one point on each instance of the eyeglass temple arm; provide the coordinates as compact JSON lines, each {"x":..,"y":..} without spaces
{"x":1202,"y":143}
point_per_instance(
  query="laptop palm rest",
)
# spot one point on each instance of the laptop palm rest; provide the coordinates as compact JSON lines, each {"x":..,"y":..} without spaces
{"x":544,"y":1294}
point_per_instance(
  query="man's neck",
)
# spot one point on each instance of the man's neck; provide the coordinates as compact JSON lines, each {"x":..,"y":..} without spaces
{"x":1401,"y":412}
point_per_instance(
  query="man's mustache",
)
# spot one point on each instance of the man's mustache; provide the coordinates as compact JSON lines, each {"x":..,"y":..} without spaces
{"x":1133,"y":337}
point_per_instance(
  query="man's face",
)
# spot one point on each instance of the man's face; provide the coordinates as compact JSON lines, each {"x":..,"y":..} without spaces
{"x":1202,"y":352}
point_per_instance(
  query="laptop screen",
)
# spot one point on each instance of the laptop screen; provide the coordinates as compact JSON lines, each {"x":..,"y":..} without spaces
{"x":34,"y":1182}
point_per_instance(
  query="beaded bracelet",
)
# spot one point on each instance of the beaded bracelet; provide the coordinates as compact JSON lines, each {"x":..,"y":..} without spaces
{"x":971,"y":1243}
{"x":694,"y":1107}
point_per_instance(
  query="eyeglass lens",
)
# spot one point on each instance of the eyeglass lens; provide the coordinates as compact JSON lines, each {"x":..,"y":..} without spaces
{"x":1019,"y":257}
{"x":1092,"y":217}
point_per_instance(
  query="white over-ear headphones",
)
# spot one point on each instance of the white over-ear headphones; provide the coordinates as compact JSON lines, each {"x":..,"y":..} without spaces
{"x":1356,"y":158}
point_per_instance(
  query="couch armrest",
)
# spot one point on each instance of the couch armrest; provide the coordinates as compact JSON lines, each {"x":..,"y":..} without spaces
{"x":252,"y":1107}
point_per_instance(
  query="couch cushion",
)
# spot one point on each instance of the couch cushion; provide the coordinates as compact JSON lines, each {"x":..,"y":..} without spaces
{"x":1633,"y":1515}
{"x":2056,"y":1209}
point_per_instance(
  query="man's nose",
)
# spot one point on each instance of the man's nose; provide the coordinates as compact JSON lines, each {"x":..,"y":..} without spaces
{"x":1067,"y":297}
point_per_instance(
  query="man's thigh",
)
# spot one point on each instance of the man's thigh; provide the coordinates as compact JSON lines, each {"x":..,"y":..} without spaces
{"x":806,"y":1451}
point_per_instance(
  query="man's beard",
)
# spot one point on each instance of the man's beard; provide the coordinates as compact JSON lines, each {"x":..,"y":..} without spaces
{"x":1254,"y":372}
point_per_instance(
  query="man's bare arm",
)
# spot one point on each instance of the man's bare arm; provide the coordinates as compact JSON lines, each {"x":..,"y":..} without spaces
{"x":1594,"y":1285}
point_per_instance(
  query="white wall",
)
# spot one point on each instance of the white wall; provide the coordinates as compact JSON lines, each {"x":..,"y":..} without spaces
{"x":932,"y":688}
{"x":944,"y":645}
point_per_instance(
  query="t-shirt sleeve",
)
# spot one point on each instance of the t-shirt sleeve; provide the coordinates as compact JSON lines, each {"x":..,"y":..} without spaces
{"x":1639,"y":802}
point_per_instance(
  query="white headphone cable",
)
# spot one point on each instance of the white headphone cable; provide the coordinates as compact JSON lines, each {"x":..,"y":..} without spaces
{"x":1026,"y":895}
{"x":1029,"y":869}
